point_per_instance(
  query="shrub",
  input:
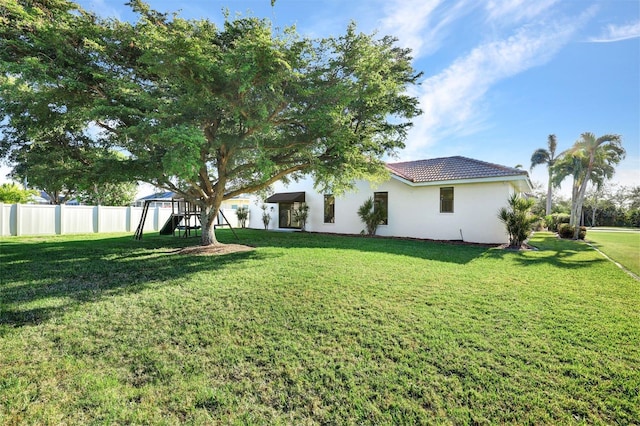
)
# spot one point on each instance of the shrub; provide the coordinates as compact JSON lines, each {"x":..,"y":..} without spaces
{"x":372,"y":215}
{"x":566,"y":231}
{"x":242,"y":213}
{"x":266,"y":216}
{"x":517,"y":219}
{"x":583,"y":232}
{"x":540,"y":225}
{"x":555,"y":219}
{"x":301,"y":214}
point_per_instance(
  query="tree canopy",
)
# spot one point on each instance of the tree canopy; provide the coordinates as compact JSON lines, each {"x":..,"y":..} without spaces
{"x":12,"y":193}
{"x":208,"y":112}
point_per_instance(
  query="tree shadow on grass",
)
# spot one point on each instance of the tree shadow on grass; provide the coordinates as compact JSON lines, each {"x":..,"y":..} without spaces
{"x":565,"y":254}
{"x":43,"y":279}
{"x":440,"y":251}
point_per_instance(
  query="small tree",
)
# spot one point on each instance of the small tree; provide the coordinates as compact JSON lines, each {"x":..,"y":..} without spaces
{"x":11,"y":193}
{"x":242,"y":213}
{"x":266,"y":216}
{"x":518,"y":219}
{"x":372,"y":215}
{"x":301,"y":214}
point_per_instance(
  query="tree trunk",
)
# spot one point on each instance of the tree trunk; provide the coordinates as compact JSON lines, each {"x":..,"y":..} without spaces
{"x":207,"y":219}
{"x":578,"y":208}
{"x":581,"y":192}
{"x":549,"y":193}
{"x":574,"y":201}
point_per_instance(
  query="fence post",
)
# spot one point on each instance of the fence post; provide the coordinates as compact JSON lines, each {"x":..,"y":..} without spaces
{"x":127,"y":225}
{"x":18,"y":220}
{"x":2,"y":221}
{"x":96,"y":220}
{"x":59,"y":228}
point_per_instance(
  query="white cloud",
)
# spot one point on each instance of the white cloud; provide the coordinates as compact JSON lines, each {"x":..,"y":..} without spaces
{"x":422,"y":25}
{"x":618,"y":32}
{"x":516,"y":10}
{"x":453,"y":100}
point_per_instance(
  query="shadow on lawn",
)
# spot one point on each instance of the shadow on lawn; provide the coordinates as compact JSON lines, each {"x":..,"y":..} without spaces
{"x":77,"y":272}
{"x":39,"y":271}
{"x":440,"y":251}
{"x":565,"y":254}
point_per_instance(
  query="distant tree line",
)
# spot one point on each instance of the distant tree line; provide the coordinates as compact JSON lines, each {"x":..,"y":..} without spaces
{"x":611,"y":205}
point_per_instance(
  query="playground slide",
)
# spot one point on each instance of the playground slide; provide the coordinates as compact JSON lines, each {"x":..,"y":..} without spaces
{"x":171,"y":224}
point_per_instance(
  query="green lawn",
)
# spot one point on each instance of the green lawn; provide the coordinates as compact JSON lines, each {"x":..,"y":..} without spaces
{"x":622,"y":245}
{"x":313,"y":329}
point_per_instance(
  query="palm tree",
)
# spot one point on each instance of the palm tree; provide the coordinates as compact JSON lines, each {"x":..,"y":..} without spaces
{"x":590,"y":159}
{"x":517,"y":219}
{"x":548,"y":157}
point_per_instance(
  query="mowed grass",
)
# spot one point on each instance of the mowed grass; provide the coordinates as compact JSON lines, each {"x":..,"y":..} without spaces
{"x":621,"y":245}
{"x":315,"y":329}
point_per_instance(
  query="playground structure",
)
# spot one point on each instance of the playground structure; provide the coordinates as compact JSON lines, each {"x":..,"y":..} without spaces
{"x":184,"y":219}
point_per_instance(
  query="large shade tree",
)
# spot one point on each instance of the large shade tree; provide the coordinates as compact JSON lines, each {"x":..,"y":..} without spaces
{"x":208,"y":112}
{"x":548,"y":157}
{"x":590,"y":160}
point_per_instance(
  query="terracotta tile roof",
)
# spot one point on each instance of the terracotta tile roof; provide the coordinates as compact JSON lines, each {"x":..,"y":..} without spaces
{"x":450,"y":168}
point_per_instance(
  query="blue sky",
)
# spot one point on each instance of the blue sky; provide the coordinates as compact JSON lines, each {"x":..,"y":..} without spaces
{"x":499,"y":75}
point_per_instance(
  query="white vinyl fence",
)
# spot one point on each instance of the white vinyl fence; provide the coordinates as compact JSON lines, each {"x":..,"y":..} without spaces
{"x":37,"y":219}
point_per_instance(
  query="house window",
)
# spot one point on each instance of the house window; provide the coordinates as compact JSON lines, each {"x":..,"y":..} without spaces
{"x":329,"y":208}
{"x":381,"y":201}
{"x":446,"y":200}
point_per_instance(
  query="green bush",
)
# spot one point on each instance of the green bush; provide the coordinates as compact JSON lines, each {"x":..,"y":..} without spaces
{"x":301,"y":214}
{"x":549,"y":222}
{"x":583,"y":232}
{"x":372,"y":215}
{"x":242,"y":213}
{"x":557,"y":219}
{"x":12,"y":193}
{"x":518,"y":219}
{"x":566,"y":231}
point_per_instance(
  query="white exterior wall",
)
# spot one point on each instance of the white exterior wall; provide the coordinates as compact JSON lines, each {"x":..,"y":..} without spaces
{"x":413,"y":211}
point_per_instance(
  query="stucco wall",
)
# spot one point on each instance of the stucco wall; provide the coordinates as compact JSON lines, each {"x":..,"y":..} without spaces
{"x":412,"y":211}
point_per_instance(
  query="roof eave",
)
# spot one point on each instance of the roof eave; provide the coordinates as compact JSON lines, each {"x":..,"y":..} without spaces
{"x":488,"y":179}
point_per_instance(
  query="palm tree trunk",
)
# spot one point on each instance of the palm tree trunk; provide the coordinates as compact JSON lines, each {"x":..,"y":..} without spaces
{"x":549,"y":193}
{"x":580,"y":198}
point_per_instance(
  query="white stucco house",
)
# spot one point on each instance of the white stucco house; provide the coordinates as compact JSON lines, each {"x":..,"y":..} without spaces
{"x":451,"y":198}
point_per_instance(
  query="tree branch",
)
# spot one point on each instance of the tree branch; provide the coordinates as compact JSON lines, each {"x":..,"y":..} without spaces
{"x":262,"y":185}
